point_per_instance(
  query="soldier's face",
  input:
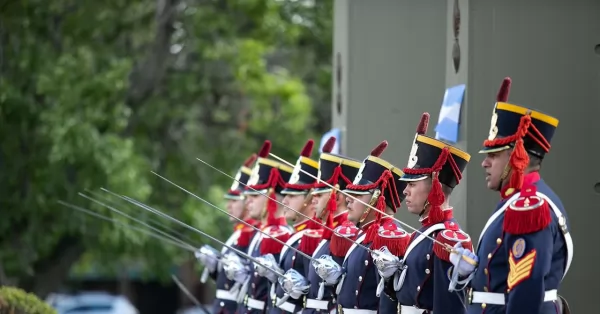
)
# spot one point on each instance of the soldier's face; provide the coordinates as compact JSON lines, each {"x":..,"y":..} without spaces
{"x":236,"y":209}
{"x":416,"y":195}
{"x":356,"y":206}
{"x":319,"y":201}
{"x":292,"y":204}
{"x":256,"y":205}
{"x":494,"y":164}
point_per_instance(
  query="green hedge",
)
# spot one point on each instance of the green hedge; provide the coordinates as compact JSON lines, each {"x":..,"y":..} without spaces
{"x":17,"y":301}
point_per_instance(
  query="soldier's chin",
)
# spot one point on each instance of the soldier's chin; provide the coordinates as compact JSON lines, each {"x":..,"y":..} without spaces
{"x":319,"y":211}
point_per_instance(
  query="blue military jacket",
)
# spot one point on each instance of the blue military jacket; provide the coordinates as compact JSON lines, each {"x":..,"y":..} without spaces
{"x":289,"y":258}
{"x":426,"y":280}
{"x":258,"y":286}
{"x":522,"y":269}
{"x":315,"y":281}
{"x":227,"y":305}
{"x":359,"y":287}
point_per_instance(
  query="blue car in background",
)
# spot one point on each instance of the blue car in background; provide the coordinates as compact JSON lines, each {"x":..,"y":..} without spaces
{"x":91,"y":303}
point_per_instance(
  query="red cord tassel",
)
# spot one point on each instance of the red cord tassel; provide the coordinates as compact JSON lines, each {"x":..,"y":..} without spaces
{"x":436,"y":199}
{"x":518,"y":162}
{"x":272,"y":220}
{"x":328,"y":232}
{"x":330,"y":209}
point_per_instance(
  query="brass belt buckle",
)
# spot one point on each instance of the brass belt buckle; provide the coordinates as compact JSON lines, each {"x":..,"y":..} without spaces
{"x":340,"y":309}
{"x":470,"y":296}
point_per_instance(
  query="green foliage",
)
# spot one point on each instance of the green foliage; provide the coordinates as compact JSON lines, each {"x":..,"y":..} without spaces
{"x":17,"y":301}
{"x":99,"y":94}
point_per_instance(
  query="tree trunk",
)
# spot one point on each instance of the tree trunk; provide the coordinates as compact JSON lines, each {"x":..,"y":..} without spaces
{"x":50,"y":272}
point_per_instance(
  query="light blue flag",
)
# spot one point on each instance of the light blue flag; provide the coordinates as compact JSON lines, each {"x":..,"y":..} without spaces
{"x":337,"y":133}
{"x":448,"y":122}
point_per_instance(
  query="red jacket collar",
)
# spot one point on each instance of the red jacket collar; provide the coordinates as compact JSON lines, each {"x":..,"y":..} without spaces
{"x":448,"y":214}
{"x":340,"y":218}
{"x":528,"y":179}
{"x":301,"y":225}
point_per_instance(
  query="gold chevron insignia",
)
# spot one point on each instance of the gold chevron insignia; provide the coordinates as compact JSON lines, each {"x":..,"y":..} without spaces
{"x":520,"y":270}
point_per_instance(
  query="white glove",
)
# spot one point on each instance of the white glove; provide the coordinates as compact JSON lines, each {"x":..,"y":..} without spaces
{"x":388,"y":266}
{"x":293,"y":284}
{"x":208,"y":256}
{"x":386,"y":263}
{"x":268,"y":267}
{"x":234,"y":268}
{"x":461,"y":265}
{"x":327,"y":269}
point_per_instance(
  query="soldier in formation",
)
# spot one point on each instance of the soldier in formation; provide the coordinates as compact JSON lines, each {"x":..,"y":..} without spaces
{"x":525,"y":248}
{"x":345,"y":253}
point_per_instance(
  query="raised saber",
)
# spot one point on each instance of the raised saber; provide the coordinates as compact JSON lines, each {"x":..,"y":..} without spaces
{"x":280,"y":203}
{"x":446,"y":246}
{"x":183,"y":224}
{"x":151,"y":220}
{"x":121,"y":224}
{"x":188,"y":294}
{"x":238,"y":219}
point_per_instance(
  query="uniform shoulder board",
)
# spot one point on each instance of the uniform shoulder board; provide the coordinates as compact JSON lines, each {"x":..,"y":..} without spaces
{"x":245,"y":236}
{"x":343,"y":238}
{"x":447,"y":239}
{"x":310,"y":240}
{"x":274,"y":239}
{"x":393,"y":237}
{"x":529,"y":213}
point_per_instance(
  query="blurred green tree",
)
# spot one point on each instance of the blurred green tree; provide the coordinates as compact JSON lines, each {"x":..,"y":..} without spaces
{"x":98,"y":94}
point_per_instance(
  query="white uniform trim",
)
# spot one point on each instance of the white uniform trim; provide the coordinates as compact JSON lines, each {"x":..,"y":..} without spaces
{"x":295,"y":237}
{"x":499,"y":298}
{"x":355,"y":245}
{"x":236,"y":235}
{"x":226,"y":295}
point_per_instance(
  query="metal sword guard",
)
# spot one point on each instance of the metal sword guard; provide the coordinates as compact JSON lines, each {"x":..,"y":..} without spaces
{"x":294,"y":284}
{"x":208,"y":256}
{"x":387,"y":264}
{"x":265,"y":266}
{"x":328,"y":269}
{"x":235,"y":269}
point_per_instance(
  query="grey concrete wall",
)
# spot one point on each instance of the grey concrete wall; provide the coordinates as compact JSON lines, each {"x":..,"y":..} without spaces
{"x":392,"y":52}
{"x":547,"y":47}
{"x":397,"y":61}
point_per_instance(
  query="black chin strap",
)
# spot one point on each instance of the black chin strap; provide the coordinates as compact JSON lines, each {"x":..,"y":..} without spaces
{"x":503,"y":177}
{"x":424,"y":209}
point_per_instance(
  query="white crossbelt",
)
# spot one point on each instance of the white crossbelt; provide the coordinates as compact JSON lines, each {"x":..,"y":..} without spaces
{"x":226,"y":295}
{"x":286,"y":306}
{"x":255,"y":304}
{"x":405,"y":309}
{"x":358,"y":311}
{"x":498,"y":298}
{"x":317,"y":304}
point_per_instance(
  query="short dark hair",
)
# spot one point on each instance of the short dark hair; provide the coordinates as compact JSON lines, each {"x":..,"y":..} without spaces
{"x":534,"y":161}
{"x":446,"y":190}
